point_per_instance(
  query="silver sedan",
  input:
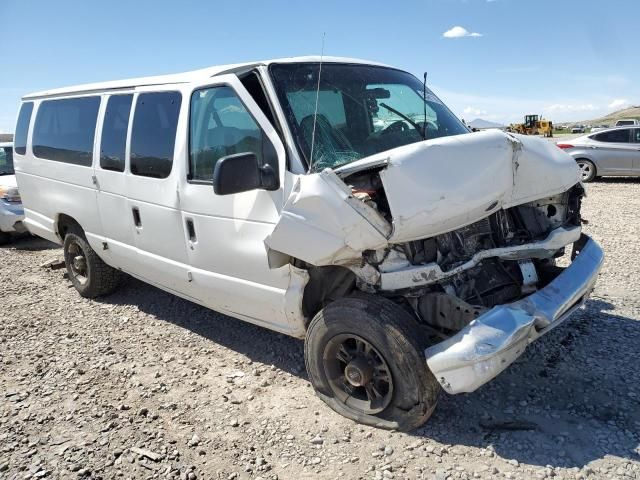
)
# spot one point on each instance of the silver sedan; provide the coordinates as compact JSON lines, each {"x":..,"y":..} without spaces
{"x":611,"y":152}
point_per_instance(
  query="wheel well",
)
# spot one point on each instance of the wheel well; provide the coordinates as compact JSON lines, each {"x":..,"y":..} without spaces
{"x":326,"y":284}
{"x":64,"y":224}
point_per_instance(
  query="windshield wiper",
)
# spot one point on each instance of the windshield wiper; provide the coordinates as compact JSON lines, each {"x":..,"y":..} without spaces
{"x":408,"y":119}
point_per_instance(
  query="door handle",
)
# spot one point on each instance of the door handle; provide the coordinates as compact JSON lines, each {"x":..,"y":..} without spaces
{"x":191,"y":231}
{"x":136,"y":217}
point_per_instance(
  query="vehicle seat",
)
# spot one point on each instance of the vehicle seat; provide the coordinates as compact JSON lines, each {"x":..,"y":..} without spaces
{"x":331,"y":146}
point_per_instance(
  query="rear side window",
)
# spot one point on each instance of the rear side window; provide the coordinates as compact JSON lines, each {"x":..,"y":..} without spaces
{"x":153,"y":133}
{"x":65,"y":129}
{"x":614,"y":136}
{"x":22,"y":128}
{"x":114,"y":132}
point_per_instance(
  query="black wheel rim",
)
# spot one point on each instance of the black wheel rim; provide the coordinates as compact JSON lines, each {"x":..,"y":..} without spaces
{"x":77,"y":261}
{"x":357,"y":374}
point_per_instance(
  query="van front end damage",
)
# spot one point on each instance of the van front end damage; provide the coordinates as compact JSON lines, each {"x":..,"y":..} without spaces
{"x":463,"y":232}
{"x":494,"y":340}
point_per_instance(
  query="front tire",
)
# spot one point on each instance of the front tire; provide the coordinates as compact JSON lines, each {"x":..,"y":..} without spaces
{"x":365,"y":359}
{"x":90,"y":276}
{"x":587,"y":170}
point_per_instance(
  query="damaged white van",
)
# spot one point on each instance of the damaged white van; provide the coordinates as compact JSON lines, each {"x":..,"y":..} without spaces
{"x":337,"y":201}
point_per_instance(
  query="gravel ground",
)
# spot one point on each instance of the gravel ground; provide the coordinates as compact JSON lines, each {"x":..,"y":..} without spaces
{"x":142,"y":384}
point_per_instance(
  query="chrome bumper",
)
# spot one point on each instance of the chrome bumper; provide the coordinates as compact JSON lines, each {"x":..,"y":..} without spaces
{"x":493,"y":341}
{"x":11,"y":217}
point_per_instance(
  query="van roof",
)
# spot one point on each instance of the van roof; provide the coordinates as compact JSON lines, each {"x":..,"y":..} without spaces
{"x":185,"y":77}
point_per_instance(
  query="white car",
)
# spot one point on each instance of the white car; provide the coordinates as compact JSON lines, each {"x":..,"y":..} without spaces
{"x":609,"y":152}
{"x":331,"y":199}
{"x":11,"y":212}
{"x":628,"y":122}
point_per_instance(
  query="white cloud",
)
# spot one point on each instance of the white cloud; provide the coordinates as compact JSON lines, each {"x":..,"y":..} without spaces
{"x":508,"y":109}
{"x":618,"y":104}
{"x":474,"y":111}
{"x":562,"y":107}
{"x":459,"y":32}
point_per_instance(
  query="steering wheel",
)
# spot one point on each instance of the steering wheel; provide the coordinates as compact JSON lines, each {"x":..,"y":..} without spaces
{"x":430,"y":126}
{"x":396,"y":127}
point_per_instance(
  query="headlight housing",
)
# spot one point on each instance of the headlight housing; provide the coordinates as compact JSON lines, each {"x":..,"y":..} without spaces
{"x":10,"y":194}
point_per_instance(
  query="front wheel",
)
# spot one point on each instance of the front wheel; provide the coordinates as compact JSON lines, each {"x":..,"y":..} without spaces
{"x":365,"y":359}
{"x":587,"y":170}
{"x":89,"y":274}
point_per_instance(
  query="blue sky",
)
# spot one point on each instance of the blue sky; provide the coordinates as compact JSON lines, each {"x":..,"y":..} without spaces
{"x":568,"y":60}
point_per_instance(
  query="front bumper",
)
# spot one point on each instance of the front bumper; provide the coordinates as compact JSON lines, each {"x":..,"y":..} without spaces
{"x":493,"y":341}
{"x":11,"y":217}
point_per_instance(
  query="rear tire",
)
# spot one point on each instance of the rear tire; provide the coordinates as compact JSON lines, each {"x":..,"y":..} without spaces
{"x":587,"y":170}
{"x":90,"y":276}
{"x":5,"y":238}
{"x":365,"y":358}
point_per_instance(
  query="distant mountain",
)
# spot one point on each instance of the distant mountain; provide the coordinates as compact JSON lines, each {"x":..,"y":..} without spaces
{"x":482,"y":124}
{"x":611,"y":118}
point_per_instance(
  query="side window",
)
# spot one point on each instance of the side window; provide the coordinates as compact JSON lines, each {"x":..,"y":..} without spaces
{"x":114,"y":132}
{"x":635,"y":135}
{"x":22,"y":128}
{"x":153,"y":134}
{"x":65,"y":129}
{"x":219,"y":126}
{"x":614,"y":136}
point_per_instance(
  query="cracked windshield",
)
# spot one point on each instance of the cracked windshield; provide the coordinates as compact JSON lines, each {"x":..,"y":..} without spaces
{"x":361,"y":110}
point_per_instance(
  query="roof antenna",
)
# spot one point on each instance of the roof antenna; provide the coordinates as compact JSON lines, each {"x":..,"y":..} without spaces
{"x":315,"y":113}
{"x":424,"y":99}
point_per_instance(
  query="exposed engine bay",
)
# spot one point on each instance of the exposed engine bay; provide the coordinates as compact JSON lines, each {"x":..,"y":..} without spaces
{"x":450,"y":228}
{"x":452,"y":278}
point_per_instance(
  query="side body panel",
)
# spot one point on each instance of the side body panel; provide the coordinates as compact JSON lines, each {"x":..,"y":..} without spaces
{"x":49,"y":188}
{"x":226,"y":253}
{"x":613,"y":158}
{"x":113,"y":207}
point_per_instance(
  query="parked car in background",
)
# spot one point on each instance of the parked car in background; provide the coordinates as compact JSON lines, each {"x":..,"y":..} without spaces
{"x":625,"y":122}
{"x":611,"y":152}
{"x":335,"y":200}
{"x":578,"y":129}
{"x":598,"y":128}
{"x":11,"y":212}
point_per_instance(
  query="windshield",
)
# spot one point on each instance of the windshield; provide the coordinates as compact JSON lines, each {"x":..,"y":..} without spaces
{"x":6,"y":161}
{"x":362,"y":110}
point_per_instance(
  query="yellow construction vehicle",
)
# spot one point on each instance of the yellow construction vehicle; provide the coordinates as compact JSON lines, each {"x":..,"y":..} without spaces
{"x":533,"y":125}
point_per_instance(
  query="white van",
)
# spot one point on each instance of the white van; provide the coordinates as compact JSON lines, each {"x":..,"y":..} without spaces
{"x":338,"y":201}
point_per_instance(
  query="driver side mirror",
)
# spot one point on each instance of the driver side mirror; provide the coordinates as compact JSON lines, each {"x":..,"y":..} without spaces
{"x":241,"y":172}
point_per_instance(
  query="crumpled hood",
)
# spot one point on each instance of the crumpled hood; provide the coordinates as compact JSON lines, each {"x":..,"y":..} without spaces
{"x":437,"y":186}
{"x":432,"y":187}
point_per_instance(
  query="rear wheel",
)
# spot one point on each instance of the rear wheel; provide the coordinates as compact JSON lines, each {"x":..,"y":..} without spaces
{"x":89,"y":274}
{"x":587,"y":170}
{"x":365,"y":359}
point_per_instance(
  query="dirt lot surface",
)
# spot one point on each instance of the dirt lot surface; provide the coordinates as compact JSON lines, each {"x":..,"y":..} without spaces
{"x":142,"y":384}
